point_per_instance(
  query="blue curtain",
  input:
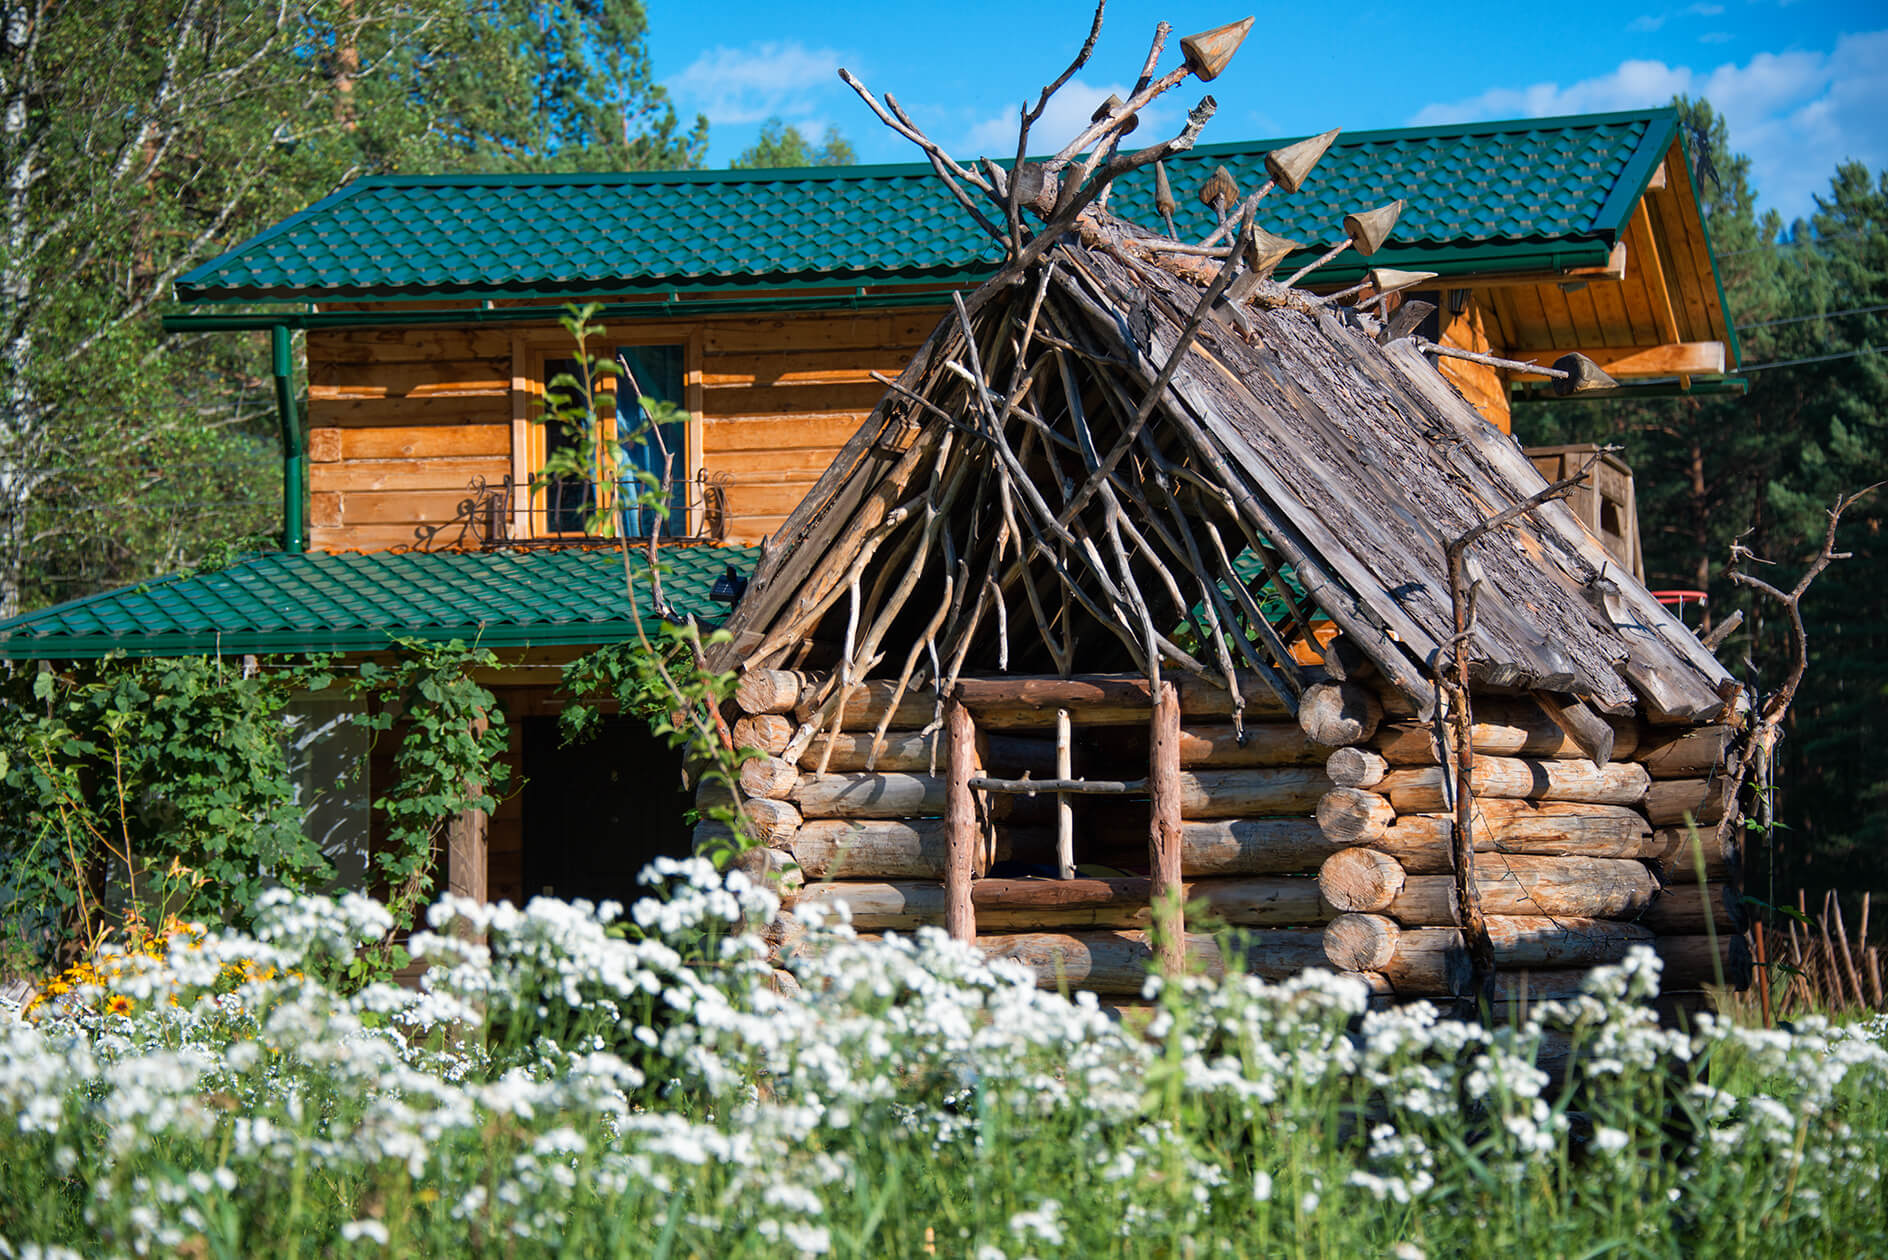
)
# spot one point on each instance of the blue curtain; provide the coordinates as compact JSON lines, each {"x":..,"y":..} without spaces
{"x":658,"y":373}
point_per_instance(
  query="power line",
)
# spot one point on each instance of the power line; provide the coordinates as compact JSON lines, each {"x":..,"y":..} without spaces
{"x":1803,"y":319}
{"x":1821,"y":358}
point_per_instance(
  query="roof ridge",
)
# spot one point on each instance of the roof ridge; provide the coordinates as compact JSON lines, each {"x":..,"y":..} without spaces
{"x":922,"y":170}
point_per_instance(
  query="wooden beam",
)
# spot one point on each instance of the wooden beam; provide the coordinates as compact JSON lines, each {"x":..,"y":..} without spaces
{"x":1678,"y":358}
{"x":1658,"y":181}
{"x":467,"y":845}
{"x":1663,"y":312}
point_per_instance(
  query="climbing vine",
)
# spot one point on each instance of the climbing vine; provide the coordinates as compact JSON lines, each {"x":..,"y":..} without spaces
{"x":450,"y":759}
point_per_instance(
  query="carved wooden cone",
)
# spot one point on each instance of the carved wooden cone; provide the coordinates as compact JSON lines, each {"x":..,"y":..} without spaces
{"x":1164,"y":793}
{"x":1111,"y":106}
{"x":1210,"y":52}
{"x":1365,"y":231}
{"x":1369,"y":229}
{"x":1269,"y":250}
{"x":960,"y":823}
{"x":1219,"y":192}
{"x":1289,"y":166}
{"x":1163,"y":197}
{"x":1583,"y":376}
{"x":1388,"y":280}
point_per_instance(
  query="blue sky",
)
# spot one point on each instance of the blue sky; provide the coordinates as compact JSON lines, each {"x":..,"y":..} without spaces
{"x":1803,"y":84}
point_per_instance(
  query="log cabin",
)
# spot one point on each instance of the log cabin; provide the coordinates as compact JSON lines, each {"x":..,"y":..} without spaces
{"x":773,"y":307}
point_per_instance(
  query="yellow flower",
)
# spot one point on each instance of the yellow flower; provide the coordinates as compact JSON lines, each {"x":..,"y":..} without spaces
{"x":120,"y":1004}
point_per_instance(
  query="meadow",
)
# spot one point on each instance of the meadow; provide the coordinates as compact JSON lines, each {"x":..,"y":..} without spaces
{"x":611,"y":1081}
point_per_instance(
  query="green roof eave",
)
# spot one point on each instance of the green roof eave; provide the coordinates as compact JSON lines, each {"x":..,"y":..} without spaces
{"x":238,"y":321}
{"x":693,"y":286}
{"x":1460,"y":261}
{"x":58,"y":647}
{"x":1616,"y":212}
{"x":1660,"y":387}
{"x":1446,"y":261}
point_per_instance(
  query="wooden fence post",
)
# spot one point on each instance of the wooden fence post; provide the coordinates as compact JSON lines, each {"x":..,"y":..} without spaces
{"x":960,"y":822}
{"x":1163,"y":790}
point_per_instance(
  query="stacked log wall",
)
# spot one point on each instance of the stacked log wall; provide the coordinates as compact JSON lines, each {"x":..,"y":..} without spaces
{"x":1329,"y":846}
{"x":1575,"y":862}
{"x":868,"y":829}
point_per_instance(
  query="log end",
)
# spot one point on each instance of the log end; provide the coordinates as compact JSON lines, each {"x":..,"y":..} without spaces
{"x":1361,"y":942}
{"x":1356,"y":767}
{"x":1354,"y":816}
{"x":1360,"y":881}
{"x":1339,"y":713}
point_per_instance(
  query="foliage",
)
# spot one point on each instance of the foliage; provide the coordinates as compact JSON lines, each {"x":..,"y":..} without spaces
{"x":572,"y":1084}
{"x":780,"y":145}
{"x":133,"y":789}
{"x":1765,"y":466}
{"x":450,"y":759}
{"x":124,"y":453}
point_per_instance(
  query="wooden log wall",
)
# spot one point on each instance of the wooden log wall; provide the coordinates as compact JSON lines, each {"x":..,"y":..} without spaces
{"x":874,"y":830}
{"x":1332,"y":845}
{"x":1575,"y":862}
{"x":402,"y":422}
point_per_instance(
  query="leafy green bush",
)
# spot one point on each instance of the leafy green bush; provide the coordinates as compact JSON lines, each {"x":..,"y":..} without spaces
{"x":132,"y":788}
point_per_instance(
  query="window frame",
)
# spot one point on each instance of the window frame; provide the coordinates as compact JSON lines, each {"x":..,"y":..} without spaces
{"x":532,"y":351}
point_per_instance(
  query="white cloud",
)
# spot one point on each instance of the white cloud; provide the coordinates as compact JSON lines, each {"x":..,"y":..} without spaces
{"x":762,"y":80}
{"x":1068,"y":114}
{"x":1647,"y":22}
{"x":1704,"y":10}
{"x":1797,"y":114}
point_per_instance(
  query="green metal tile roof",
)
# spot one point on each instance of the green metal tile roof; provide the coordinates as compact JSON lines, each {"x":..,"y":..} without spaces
{"x":280,"y":602}
{"x":1482,"y":196}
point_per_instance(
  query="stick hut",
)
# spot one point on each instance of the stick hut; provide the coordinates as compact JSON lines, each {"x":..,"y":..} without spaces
{"x":1135,"y":592}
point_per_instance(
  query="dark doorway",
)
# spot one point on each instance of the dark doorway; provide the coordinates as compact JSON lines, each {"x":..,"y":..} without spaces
{"x":597,"y":812}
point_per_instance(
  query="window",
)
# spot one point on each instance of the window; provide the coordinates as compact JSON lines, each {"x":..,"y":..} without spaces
{"x":563,"y":503}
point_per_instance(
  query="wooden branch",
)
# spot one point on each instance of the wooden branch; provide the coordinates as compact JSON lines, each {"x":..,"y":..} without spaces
{"x":1081,"y":59}
{"x":948,"y":171}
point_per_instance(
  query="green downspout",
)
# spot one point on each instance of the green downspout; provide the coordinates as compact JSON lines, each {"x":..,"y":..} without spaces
{"x":294,"y":536}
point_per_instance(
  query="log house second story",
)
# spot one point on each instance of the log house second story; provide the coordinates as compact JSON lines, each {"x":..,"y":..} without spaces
{"x":768,"y":305}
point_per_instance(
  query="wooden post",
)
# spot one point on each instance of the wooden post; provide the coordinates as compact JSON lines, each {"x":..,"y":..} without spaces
{"x":960,"y":822}
{"x":467,"y":834}
{"x":1064,"y":812}
{"x":1163,"y":791}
